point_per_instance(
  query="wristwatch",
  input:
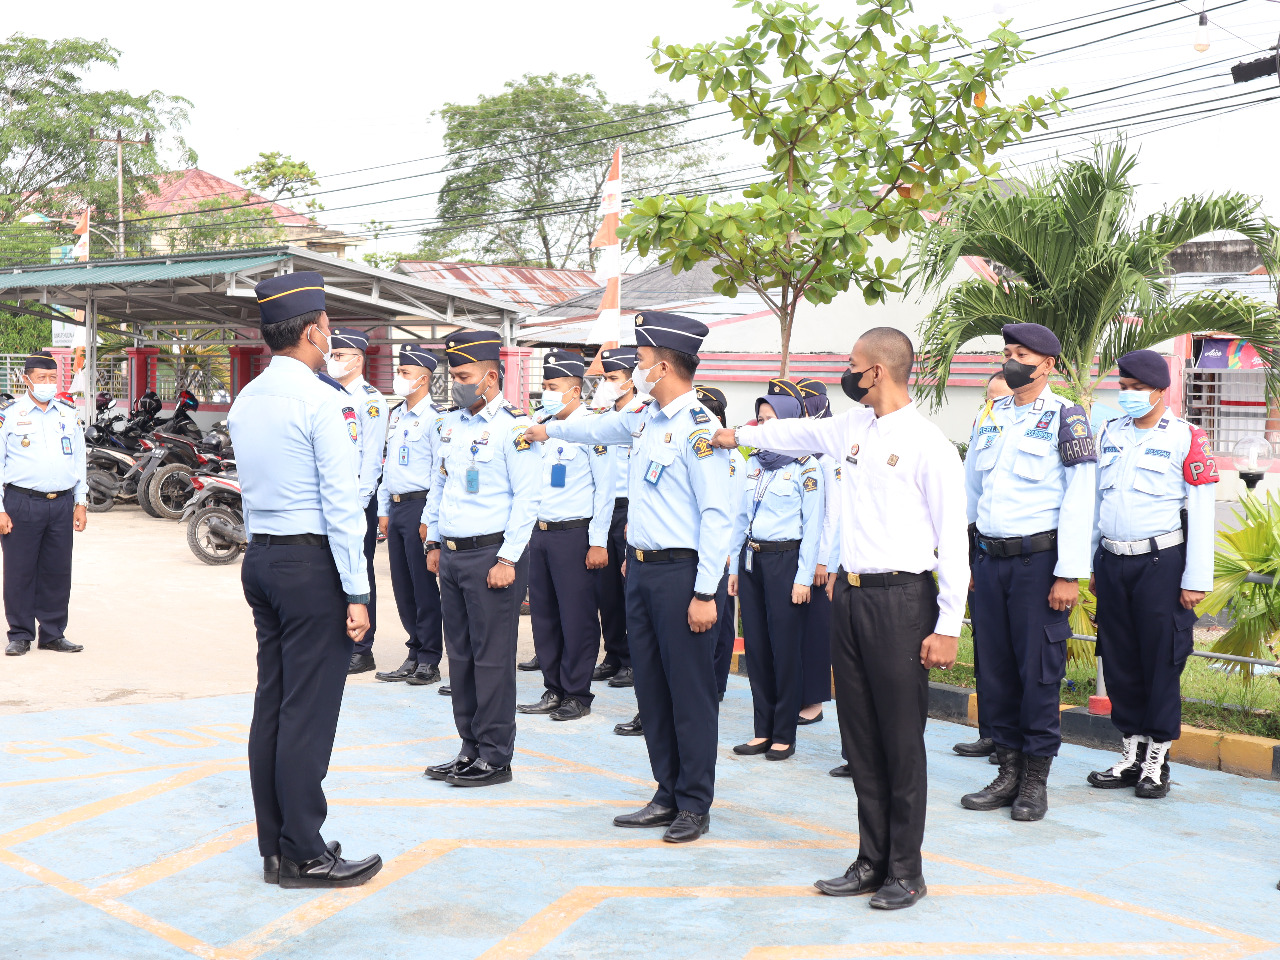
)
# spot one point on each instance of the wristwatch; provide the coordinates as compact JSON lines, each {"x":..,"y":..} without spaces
{"x":704,"y":597}
{"x":504,"y":560}
{"x":431,"y":545}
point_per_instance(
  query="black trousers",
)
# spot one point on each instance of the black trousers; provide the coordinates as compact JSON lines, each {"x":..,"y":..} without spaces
{"x":37,"y":565}
{"x":611,"y":592}
{"x":562,"y":592}
{"x":1020,"y":645}
{"x":772,"y":632}
{"x":300,"y":613}
{"x":481,"y":623}
{"x":370,"y":545}
{"x":815,"y":649}
{"x":416,"y":588}
{"x":725,"y":632}
{"x":1144,"y":639}
{"x":882,"y":692}
{"x":675,"y":683}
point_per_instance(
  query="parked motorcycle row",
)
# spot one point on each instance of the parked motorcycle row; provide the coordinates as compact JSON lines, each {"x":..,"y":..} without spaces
{"x":170,"y":468}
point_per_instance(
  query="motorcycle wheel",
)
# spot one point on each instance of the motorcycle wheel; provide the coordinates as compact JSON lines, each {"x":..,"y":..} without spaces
{"x":144,"y":498}
{"x":98,"y":502}
{"x":169,"y":490}
{"x":208,"y":548}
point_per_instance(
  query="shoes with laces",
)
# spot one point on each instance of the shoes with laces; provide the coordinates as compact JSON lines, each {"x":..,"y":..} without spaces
{"x":1125,"y":773}
{"x":1154,"y":781}
{"x":687,"y":827}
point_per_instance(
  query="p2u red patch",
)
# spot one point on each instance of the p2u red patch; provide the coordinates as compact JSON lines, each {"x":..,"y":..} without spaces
{"x":1199,"y":468}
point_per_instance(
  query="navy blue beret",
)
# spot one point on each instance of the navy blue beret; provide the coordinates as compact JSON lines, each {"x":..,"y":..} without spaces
{"x":1034,"y":337}
{"x":350,"y":338}
{"x":785,"y":406}
{"x":778,"y":387}
{"x":562,"y":363}
{"x":618,"y":358}
{"x":1146,"y":366}
{"x":712,"y":394}
{"x":39,"y":361}
{"x":809,"y":387}
{"x":289,"y":295}
{"x":417,"y":355}
{"x":670,"y":331}
{"x":471,"y":346}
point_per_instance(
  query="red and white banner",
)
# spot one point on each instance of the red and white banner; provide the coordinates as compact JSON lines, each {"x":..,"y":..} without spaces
{"x":607,"y":329}
{"x":81,"y":250}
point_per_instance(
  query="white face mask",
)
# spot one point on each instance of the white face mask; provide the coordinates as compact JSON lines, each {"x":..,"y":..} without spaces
{"x":339,"y":368}
{"x":328,"y":345}
{"x":606,"y":395}
{"x":44,"y":392}
{"x":402,"y":387}
{"x":640,"y":379}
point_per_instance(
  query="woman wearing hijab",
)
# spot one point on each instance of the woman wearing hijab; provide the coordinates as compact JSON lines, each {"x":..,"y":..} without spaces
{"x":771,"y":570}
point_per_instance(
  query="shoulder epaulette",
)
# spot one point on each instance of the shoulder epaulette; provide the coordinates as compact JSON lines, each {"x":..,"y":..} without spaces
{"x":516,"y":411}
{"x":65,"y":403}
{"x":6,"y":404}
{"x":325,"y":378}
{"x":804,"y":459}
{"x":370,"y":388}
{"x":699,"y":415}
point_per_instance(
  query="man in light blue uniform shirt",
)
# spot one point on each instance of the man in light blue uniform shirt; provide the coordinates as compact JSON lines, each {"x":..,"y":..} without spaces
{"x":1150,"y":569}
{"x":1029,"y":476}
{"x":304,"y":577}
{"x":42,"y":472}
{"x":347,"y":365}
{"x":480,"y":513}
{"x":678,"y":531}
{"x":411,"y":470}
{"x":568,"y":548}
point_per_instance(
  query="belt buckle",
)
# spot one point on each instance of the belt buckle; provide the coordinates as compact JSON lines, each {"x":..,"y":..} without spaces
{"x":395,"y":498}
{"x":855,"y":579}
{"x":542,"y":524}
{"x":451,"y":544}
{"x":640,"y":555}
{"x":754,"y":545}
{"x":51,"y":496}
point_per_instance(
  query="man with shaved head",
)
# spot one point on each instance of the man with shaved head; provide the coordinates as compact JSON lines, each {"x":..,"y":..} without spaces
{"x":902,"y":498}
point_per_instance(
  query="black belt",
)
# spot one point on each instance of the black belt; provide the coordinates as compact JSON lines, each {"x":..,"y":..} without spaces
{"x":291,"y":539}
{"x":564,"y":524}
{"x":895,"y":579}
{"x":620,"y":503}
{"x":39,"y":494}
{"x":662,"y":556}
{"x":1014,"y":546}
{"x":411,"y":495}
{"x":473,"y":543}
{"x":773,"y":546}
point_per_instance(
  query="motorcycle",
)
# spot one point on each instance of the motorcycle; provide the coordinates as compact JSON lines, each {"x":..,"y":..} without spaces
{"x":215,"y":519}
{"x":113,"y":476}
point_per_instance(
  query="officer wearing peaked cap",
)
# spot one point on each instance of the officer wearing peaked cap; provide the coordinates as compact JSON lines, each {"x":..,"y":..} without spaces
{"x":480,"y":513}
{"x":1150,"y":568}
{"x":347,"y":366}
{"x":411,"y":470}
{"x":42,"y":470}
{"x":1029,"y":476}
{"x":304,"y":576}
{"x":678,"y":533}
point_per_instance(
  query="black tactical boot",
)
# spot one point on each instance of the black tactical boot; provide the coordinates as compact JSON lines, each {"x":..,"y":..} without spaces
{"x":1001,"y":791}
{"x":1153,"y":783}
{"x":1126,"y":771}
{"x":1033,"y":798}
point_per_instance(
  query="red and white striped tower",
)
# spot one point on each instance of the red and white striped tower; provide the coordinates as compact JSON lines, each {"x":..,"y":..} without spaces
{"x":607,"y":329}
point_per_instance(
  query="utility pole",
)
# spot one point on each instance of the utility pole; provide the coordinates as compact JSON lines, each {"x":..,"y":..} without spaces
{"x":119,"y":141}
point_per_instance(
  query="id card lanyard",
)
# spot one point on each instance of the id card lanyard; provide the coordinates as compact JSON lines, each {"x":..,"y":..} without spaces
{"x":473,"y":471}
{"x":558,"y":469}
{"x":762,"y":487}
{"x":403,"y":459}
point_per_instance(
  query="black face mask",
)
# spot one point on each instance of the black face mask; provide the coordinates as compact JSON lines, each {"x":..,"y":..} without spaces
{"x":1018,"y":375}
{"x":849,"y":384}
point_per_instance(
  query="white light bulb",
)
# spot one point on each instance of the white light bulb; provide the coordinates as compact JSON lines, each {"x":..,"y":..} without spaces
{"x":1202,"y":34}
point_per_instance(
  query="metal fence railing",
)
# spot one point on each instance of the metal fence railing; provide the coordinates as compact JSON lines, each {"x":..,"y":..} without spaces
{"x":1228,"y":405}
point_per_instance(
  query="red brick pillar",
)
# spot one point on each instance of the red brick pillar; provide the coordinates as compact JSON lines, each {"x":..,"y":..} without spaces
{"x":142,"y":371}
{"x":243,"y":357}
{"x":515,"y":363}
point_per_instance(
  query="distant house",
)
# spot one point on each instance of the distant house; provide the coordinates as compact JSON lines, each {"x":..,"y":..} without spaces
{"x":529,"y":288}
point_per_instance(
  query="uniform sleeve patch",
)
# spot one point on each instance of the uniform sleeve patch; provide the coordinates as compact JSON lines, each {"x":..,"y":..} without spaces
{"x":807,"y":470}
{"x":733,"y":469}
{"x":837,"y":473}
{"x":702,"y":447}
{"x":1200,"y":467}
{"x":599,"y":449}
{"x":373,"y":410}
{"x":810,"y":484}
{"x":521,"y":444}
{"x":1075,"y":438}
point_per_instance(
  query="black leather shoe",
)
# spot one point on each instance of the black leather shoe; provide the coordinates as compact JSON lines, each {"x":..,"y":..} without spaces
{"x":632,"y":728}
{"x":650,"y":815}
{"x":805,"y":721}
{"x":1126,"y":771}
{"x":425,"y":674}
{"x":441,"y":771}
{"x":898,"y":893}
{"x":402,"y":672}
{"x":530,"y":664}
{"x":361,"y":663}
{"x":687,"y":827}
{"x":605,"y":671}
{"x":17,"y":648}
{"x":840,"y":771}
{"x":1154,"y":781}
{"x":328,"y":870}
{"x":444,"y":690}
{"x":571,"y":708}
{"x":549,"y":703}
{"x":623,"y":678}
{"x":861,"y":877}
{"x":271,"y":865}
{"x":982,"y":747}
{"x":480,"y":774}
{"x":61,"y":645}
{"x":783,"y":754}
{"x":1033,"y":797}
{"x":751,"y":749}
{"x":1003,"y":790}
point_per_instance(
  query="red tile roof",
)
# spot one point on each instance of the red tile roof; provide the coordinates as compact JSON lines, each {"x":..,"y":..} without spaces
{"x":183,"y":190}
{"x":533,"y":287}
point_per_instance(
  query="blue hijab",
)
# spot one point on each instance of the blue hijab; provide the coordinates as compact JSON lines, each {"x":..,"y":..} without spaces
{"x":787,"y":408}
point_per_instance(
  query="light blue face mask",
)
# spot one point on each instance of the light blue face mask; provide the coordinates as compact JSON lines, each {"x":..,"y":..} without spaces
{"x":1136,"y":403}
{"x":44,"y":392}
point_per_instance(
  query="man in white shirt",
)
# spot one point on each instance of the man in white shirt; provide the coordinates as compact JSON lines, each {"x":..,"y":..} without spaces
{"x":902,"y":497}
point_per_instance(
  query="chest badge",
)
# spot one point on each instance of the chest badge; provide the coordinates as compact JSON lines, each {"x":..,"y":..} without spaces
{"x":666,"y":438}
{"x":1046,"y":418}
{"x":26,"y":441}
{"x":893,"y":460}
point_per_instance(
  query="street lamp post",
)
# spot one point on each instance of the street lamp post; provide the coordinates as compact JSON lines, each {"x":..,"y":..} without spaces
{"x":119,"y":141}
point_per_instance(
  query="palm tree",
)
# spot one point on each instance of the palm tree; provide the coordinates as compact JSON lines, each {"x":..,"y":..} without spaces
{"x":1069,"y":254}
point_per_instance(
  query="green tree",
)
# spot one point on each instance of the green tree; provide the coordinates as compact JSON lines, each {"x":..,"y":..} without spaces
{"x":527,"y":165}
{"x":48,"y":161}
{"x":869,"y":126}
{"x":209,"y":226}
{"x":1071,"y":255}
{"x":276,"y":175}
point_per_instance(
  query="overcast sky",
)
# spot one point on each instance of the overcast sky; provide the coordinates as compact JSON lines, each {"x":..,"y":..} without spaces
{"x":347,"y":86}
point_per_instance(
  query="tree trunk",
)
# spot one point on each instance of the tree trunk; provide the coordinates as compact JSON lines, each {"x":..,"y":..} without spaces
{"x":785,"y":322}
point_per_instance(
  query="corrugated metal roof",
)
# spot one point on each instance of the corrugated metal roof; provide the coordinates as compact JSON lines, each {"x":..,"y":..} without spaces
{"x":89,"y":274}
{"x":645,"y":290}
{"x":532,"y":287}
{"x":1251,"y":284}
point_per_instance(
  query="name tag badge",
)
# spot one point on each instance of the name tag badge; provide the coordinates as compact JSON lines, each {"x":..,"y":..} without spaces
{"x":404,"y":456}
{"x":747,"y":560}
{"x":557,"y":474}
{"x":66,"y":446}
{"x":654,"y":473}
{"x":473,"y":479}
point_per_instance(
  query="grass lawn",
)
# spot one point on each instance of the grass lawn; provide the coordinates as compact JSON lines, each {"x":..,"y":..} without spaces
{"x":1212,"y":698}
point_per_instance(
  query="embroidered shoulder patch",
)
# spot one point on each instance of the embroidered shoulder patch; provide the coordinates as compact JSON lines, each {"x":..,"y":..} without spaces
{"x":1199,"y":467}
{"x":373,"y":410}
{"x":810,"y":484}
{"x":520,"y":443}
{"x":599,"y":449}
{"x":353,"y":430}
{"x":807,"y":469}
{"x":1046,"y":418}
{"x":1075,"y":438}
{"x":837,"y":473}
{"x":702,"y":446}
